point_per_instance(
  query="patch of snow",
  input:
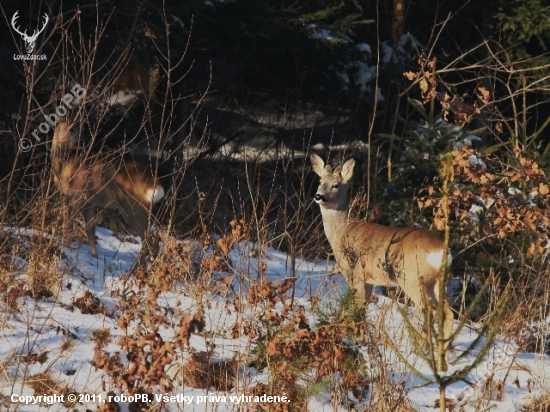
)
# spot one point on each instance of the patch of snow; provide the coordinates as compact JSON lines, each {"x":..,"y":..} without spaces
{"x":475,"y":211}
{"x":343,"y":76}
{"x":474,"y":160}
{"x":365,"y":74}
{"x":379,"y":95}
{"x":468,"y":140}
{"x":322,"y":34}
{"x":364,"y":47}
{"x":176,"y":20}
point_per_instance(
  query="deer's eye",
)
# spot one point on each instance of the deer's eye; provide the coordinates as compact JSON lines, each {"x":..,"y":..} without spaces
{"x":335,"y":186}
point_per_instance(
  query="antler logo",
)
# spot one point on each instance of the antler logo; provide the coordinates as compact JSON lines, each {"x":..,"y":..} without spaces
{"x":29,"y":40}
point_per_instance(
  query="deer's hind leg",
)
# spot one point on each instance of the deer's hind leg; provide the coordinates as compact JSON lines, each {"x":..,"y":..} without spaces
{"x":449,"y":315}
{"x":432,"y":299}
{"x":90,"y":221}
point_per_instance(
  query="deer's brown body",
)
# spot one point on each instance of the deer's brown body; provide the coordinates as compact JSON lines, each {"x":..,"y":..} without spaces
{"x":369,"y":254}
{"x":114,"y":182}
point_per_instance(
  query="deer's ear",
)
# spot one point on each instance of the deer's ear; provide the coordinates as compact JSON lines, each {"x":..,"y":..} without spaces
{"x":318,"y":164}
{"x":347,"y":170}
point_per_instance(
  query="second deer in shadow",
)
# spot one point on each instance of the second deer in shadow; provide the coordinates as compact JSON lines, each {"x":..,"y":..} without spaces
{"x":370,"y":254}
{"x":114,"y":182}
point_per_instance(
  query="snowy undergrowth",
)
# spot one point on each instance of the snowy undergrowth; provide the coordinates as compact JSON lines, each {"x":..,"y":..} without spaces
{"x":229,"y":329}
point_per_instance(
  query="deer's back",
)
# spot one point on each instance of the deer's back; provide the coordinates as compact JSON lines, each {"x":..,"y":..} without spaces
{"x":385,"y":254}
{"x":94,"y":180}
{"x":135,"y":178}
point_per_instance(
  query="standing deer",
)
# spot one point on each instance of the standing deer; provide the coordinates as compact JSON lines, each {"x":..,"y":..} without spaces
{"x":369,"y":254}
{"x":115,"y":183}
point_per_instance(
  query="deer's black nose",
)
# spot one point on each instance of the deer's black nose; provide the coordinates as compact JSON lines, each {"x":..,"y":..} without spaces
{"x":319,"y":198}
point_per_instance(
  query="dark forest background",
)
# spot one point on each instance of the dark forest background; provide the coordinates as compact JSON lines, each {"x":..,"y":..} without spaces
{"x":235,"y":94}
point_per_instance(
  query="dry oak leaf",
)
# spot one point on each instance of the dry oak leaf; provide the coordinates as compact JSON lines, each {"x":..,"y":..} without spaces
{"x":272,"y":348}
{"x":483,"y":94}
{"x":303,"y":334}
{"x":223,"y":244}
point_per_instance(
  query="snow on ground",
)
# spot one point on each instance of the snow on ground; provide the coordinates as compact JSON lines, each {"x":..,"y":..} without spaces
{"x":39,"y":330}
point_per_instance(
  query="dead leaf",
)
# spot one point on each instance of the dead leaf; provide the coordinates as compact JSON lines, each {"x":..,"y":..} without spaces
{"x":483,"y":94}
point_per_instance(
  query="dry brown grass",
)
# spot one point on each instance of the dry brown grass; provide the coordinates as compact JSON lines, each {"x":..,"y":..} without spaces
{"x":540,"y":403}
{"x":203,"y":371}
{"x":43,"y":383}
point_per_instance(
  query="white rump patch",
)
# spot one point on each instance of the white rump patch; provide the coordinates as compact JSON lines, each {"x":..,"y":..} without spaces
{"x":435,"y":259}
{"x":155,"y":195}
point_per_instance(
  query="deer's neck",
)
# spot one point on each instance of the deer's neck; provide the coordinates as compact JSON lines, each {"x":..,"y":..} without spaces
{"x":335,"y":222}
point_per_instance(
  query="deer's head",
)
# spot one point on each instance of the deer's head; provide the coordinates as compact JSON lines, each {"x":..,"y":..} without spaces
{"x":333,"y":187}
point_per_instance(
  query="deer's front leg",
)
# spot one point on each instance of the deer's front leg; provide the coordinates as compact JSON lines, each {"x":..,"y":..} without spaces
{"x":363,"y":290}
{"x":368,"y":292}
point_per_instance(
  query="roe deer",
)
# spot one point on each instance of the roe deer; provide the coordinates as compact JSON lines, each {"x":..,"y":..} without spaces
{"x":369,"y":254}
{"x":114,"y":183}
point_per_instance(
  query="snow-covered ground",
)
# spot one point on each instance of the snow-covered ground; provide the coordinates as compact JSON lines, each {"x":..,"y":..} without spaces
{"x":34,"y":336}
